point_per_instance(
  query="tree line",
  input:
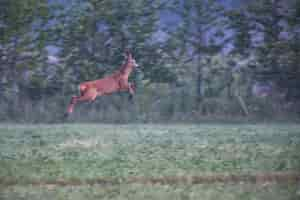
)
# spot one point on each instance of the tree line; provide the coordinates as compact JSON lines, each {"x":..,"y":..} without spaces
{"x":199,"y":59}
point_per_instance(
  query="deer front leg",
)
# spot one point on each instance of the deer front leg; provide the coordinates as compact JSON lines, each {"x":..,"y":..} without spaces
{"x":126,"y":86}
{"x":131,"y":89}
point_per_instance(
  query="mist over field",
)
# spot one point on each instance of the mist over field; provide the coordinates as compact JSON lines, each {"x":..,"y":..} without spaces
{"x":76,"y":161}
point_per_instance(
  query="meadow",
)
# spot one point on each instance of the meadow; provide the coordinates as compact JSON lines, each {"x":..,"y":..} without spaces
{"x":92,"y":161}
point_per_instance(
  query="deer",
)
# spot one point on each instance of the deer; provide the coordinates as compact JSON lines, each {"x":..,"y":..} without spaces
{"x":115,"y":82}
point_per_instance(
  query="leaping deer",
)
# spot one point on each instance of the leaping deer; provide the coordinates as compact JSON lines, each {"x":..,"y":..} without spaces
{"x":117,"y":81}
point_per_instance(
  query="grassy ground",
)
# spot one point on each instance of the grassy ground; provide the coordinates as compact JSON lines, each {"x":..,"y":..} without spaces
{"x":85,"y":151}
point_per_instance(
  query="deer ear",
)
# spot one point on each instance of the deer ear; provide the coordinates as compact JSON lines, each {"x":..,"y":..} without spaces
{"x":127,"y":52}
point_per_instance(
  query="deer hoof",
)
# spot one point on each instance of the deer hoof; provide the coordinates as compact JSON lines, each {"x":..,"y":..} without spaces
{"x":66,"y":115}
{"x":130,"y":98}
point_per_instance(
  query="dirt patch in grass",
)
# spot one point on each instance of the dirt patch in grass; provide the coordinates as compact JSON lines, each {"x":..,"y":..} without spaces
{"x":260,"y":178}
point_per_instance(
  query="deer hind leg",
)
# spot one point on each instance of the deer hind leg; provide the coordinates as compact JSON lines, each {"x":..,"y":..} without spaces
{"x":88,"y":95}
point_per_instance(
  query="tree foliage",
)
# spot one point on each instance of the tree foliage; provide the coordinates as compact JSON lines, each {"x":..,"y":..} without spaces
{"x":270,"y":30}
{"x":208,"y":56}
{"x":22,"y":41}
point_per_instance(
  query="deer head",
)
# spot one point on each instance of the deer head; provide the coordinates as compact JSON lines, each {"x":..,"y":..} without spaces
{"x":130,"y":60}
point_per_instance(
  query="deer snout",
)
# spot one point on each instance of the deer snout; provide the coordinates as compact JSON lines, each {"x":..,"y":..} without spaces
{"x":134,"y":63}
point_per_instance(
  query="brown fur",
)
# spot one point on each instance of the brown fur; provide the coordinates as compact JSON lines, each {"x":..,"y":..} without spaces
{"x":118,"y":81}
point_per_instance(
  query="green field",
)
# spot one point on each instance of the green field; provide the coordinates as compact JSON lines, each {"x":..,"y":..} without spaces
{"x":117,"y":152}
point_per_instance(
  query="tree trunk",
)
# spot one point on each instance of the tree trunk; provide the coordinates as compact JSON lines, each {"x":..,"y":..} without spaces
{"x":241,"y":102}
{"x":199,"y":86}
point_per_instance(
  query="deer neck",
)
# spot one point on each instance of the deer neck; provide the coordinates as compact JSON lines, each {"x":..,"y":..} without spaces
{"x":126,"y":70}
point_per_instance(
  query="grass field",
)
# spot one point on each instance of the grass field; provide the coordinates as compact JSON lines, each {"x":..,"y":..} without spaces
{"x":77,"y":153}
